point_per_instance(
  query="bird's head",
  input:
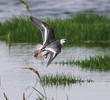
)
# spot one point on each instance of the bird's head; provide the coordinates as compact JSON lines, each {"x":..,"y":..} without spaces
{"x":63,"y":41}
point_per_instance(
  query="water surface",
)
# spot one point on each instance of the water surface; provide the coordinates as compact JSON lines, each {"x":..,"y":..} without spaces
{"x":15,"y":80}
{"x":53,"y":8}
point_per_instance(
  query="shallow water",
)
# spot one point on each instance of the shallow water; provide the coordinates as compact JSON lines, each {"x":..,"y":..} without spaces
{"x":53,"y":8}
{"x":15,"y":80}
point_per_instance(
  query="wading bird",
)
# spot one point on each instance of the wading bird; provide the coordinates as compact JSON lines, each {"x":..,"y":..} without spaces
{"x":50,"y":44}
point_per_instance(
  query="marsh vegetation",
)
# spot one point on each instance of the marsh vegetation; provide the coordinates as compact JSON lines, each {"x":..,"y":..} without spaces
{"x":62,"y":80}
{"x":82,"y":28}
{"x":98,"y":63}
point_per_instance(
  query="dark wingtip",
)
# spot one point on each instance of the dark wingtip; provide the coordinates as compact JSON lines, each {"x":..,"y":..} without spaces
{"x":48,"y":64}
{"x":32,"y":19}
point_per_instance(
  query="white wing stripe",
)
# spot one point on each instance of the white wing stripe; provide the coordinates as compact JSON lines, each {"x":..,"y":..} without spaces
{"x":50,"y":49}
{"x":45,"y":34}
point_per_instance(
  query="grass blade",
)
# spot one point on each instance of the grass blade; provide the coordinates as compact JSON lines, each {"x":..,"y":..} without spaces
{"x":24,"y":96}
{"x":26,"y":5}
{"x":39,"y":92}
{"x":6,"y":98}
{"x":34,"y":70}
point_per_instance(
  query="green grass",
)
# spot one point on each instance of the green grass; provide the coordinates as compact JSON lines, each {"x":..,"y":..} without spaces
{"x":19,"y":30}
{"x":61,"y":80}
{"x":83,"y":27}
{"x":97,"y":63}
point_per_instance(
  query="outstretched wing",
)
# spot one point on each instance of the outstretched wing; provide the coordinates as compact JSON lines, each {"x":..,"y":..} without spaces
{"x":46,"y":30}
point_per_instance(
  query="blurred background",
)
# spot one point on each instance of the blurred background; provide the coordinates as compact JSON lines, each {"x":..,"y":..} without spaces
{"x":53,"y":8}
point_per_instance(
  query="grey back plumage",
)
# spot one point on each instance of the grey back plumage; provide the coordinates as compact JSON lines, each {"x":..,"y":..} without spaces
{"x":55,"y":45}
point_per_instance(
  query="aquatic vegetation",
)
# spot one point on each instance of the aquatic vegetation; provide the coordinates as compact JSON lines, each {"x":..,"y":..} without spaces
{"x":19,"y":30}
{"x":48,"y":80}
{"x":61,"y":80}
{"x":81,"y":28}
{"x":98,"y":63}
{"x":57,"y":79}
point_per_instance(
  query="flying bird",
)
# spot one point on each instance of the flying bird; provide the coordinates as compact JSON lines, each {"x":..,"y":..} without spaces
{"x":50,"y":44}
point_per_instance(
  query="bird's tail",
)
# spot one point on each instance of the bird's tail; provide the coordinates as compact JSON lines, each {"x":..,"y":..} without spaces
{"x":26,"y":6}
